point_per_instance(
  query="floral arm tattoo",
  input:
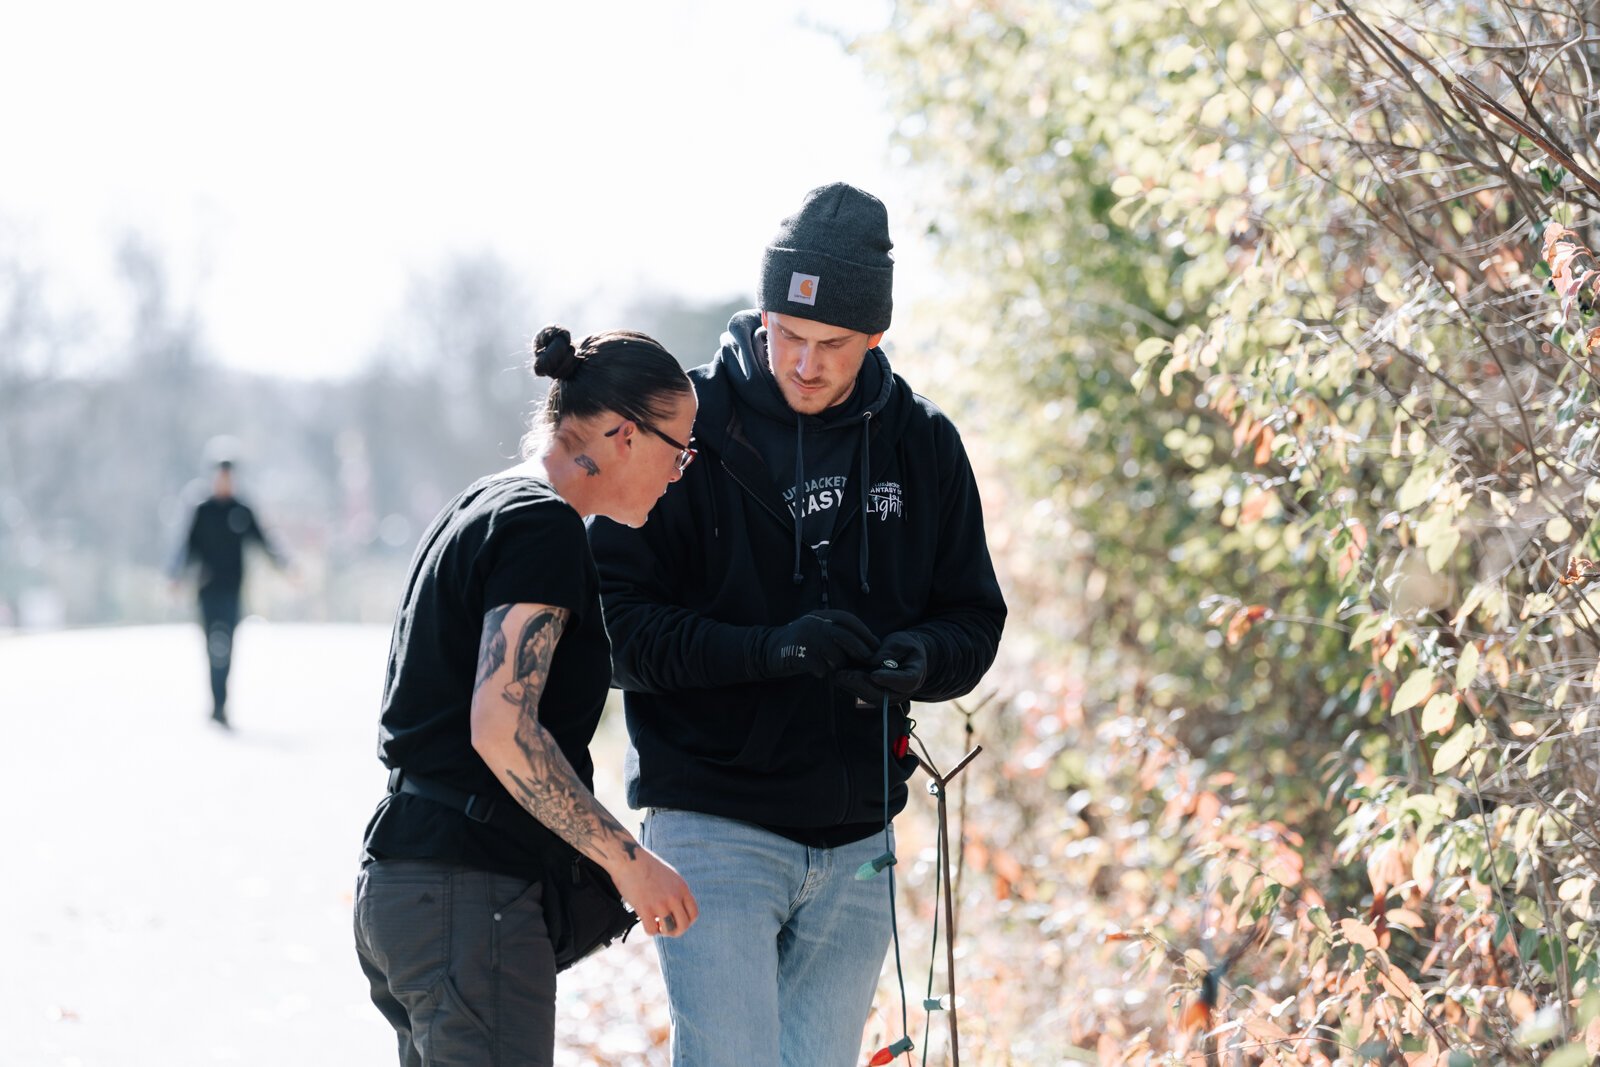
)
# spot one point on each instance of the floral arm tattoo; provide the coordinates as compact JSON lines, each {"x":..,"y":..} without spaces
{"x":546,"y":785}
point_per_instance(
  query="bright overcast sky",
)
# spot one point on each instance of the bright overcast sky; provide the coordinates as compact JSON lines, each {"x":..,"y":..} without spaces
{"x":296,"y":163}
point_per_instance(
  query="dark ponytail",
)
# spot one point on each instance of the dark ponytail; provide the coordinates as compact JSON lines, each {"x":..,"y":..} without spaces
{"x":621,"y":371}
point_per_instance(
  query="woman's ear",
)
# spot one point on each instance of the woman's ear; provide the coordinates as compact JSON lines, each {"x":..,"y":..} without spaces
{"x":622,"y":440}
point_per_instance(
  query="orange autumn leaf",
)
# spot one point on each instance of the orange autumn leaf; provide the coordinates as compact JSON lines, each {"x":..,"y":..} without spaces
{"x":1008,"y":875}
{"x":1196,"y":1017}
{"x":1358,"y":933}
{"x":1264,"y":446}
{"x":1351,"y":554}
{"x":1494,"y":660}
{"x":1265,"y":1030}
{"x":1243,"y":430}
{"x":1386,"y":868}
{"x":1580,"y":568}
{"x":1572,"y":264}
{"x":1400,"y":984}
{"x":1254,"y":507}
{"x":1245,"y":618}
{"x":1285,"y":866}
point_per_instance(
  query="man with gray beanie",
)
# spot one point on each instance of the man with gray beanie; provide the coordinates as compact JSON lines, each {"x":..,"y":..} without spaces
{"x":822,"y":567}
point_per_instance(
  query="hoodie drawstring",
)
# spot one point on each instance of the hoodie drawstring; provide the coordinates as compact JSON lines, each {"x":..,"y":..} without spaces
{"x":799,"y":493}
{"x":866,"y":496}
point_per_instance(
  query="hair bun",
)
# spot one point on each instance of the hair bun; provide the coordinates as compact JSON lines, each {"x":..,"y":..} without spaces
{"x":553,"y":354}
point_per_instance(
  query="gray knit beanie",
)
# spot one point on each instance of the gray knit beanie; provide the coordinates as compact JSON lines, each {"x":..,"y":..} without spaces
{"x":830,"y":261}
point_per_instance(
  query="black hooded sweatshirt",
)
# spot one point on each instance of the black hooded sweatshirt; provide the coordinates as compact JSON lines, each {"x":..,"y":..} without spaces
{"x":690,"y":596}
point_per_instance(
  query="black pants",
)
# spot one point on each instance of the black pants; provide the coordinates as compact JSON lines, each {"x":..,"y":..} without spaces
{"x":219,"y":614}
{"x":459,"y":962}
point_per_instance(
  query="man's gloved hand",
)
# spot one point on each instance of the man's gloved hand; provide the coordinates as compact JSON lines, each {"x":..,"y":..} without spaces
{"x":818,"y":643}
{"x":900,"y":668}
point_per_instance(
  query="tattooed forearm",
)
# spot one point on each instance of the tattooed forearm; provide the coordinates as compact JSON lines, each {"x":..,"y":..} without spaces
{"x":587,"y":464}
{"x":543,"y":780}
{"x":492,"y":652}
{"x":553,"y":794}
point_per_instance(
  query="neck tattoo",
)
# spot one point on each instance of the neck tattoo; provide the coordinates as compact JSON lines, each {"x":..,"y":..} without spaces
{"x":587,"y":464}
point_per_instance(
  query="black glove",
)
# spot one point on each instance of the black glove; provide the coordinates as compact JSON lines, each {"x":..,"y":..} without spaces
{"x":819,"y":643}
{"x":901,"y":668}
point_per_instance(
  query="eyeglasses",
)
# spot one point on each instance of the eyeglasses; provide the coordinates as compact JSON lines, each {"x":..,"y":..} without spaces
{"x":686,"y":454}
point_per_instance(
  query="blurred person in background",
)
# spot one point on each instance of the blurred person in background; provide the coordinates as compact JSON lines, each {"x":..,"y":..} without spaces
{"x":214,"y":550}
{"x":498,"y":672}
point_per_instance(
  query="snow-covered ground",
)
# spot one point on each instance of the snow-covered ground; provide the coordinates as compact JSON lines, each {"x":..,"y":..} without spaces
{"x":175,"y":894}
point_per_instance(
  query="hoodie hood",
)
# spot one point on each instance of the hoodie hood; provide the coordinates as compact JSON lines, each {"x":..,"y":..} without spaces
{"x":788,"y":443}
{"x":744,"y":351}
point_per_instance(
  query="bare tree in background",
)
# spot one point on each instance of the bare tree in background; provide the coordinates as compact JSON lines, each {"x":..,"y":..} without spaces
{"x":445,"y":400}
{"x":29,"y":360}
{"x":691,"y":332}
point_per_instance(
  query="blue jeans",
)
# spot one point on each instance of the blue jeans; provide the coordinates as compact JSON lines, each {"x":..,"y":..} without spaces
{"x":782,"y":964}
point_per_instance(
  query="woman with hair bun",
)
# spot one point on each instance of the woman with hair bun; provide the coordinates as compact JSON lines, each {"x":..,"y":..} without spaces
{"x":498,"y":671}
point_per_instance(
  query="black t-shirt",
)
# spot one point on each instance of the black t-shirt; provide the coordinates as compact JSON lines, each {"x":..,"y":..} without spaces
{"x":506,"y":540}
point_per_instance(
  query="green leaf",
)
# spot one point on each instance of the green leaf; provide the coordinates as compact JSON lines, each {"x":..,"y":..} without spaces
{"x":1413,"y":690}
{"x":1539,"y":758}
{"x":1527,"y":824}
{"x":1572,"y":1054}
{"x":1416,"y":489}
{"x":1126,"y":185}
{"x":1540,"y":1027}
{"x":1440,"y":713}
{"x":1467,"y":666}
{"x":1439,"y":535}
{"x":1366,"y":630}
{"x":1266,"y":901}
{"x":1150,"y":348}
{"x":1454,"y":750}
{"x":1528,"y":944}
{"x":1589,"y":1010}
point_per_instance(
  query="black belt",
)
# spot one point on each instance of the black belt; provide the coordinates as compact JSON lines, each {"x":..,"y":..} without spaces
{"x":474,"y":806}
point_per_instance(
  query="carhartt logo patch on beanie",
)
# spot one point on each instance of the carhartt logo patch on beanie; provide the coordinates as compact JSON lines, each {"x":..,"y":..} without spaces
{"x":803,"y":288}
{"x":830,"y":261}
